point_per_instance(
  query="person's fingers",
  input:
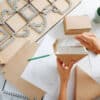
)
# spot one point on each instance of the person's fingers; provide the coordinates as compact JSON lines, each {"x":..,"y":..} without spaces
{"x":71,"y":64}
{"x":84,"y":43}
{"x":61,"y":64}
{"x":89,"y":34}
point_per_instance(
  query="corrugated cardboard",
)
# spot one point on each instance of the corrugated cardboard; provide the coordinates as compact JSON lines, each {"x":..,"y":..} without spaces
{"x":68,"y":57}
{"x":85,"y":87}
{"x":76,"y":24}
{"x":15,"y":67}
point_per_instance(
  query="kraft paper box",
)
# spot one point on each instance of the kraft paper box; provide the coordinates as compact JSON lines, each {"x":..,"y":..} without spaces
{"x":76,"y":24}
{"x":68,"y":49}
{"x":86,"y":88}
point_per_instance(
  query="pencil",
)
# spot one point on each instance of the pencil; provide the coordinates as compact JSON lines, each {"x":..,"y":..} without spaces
{"x":39,"y":57}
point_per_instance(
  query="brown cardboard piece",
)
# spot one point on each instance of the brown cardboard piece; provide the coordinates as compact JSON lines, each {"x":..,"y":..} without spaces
{"x":76,"y":24}
{"x":40,"y":4}
{"x":10,"y":51}
{"x":85,"y":87}
{"x":67,"y":53}
{"x":16,"y":66}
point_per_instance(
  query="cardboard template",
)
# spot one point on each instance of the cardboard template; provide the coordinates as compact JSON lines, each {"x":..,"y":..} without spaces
{"x":85,"y":87}
{"x":62,"y":5}
{"x":77,"y":24}
{"x":56,"y":17}
{"x":16,"y":66}
{"x":20,"y":4}
{"x":16,"y":22}
{"x":40,"y":5}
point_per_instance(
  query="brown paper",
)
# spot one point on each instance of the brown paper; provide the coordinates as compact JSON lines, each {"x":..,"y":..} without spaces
{"x":15,"y":68}
{"x":76,"y":24}
{"x":85,"y":87}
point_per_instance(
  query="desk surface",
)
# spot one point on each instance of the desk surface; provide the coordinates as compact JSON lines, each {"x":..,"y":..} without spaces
{"x":87,"y":7}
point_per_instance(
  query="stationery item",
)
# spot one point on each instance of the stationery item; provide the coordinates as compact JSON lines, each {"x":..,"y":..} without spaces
{"x":69,"y":49}
{"x":86,"y":87}
{"x":2,"y":80}
{"x":77,"y":24}
{"x":39,"y":57}
{"x":11,"y":91}
{"x":34,"y":72}
{"x":15,"y":67}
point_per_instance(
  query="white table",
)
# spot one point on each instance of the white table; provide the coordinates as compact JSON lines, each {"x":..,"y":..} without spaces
{"x":87,"y":7}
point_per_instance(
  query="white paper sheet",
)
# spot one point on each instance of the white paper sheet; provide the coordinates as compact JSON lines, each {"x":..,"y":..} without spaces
{"x":43,"y":72}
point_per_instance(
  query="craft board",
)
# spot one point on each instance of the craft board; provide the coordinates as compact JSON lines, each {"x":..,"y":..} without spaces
{"x":69,"y":49}
{"x":13,"y":70}
{"x":86,"y":88}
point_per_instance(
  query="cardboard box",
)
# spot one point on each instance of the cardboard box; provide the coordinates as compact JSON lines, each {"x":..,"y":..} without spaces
{"x":76,"y":24}
{"x":85,"y":87}
{"x":69,"y":49}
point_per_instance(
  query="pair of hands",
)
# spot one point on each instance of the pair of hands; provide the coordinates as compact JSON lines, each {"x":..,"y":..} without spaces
{"x":90,"y":41}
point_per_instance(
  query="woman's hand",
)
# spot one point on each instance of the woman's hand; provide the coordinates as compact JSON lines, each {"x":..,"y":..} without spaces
{"x":90,"y":41}
{"x":64,"y":70}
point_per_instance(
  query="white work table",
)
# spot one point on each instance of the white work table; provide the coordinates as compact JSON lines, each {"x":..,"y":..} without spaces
{"x":87,"y":7}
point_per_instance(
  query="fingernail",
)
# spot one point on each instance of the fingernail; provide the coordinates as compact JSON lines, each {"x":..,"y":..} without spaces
{"x":66,"y":67}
